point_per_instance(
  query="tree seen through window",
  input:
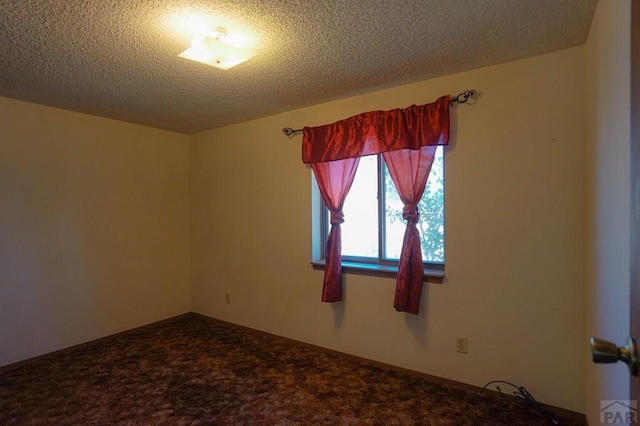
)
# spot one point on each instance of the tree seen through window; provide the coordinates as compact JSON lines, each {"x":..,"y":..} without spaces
{"x":370,"y":233}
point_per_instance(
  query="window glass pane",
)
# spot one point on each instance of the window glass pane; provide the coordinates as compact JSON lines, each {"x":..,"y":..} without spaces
{"x":360,"y":227}
{"x":431,"y":208}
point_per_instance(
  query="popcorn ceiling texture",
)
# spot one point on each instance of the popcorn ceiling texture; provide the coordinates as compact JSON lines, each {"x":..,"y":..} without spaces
{"x":117,"y":58}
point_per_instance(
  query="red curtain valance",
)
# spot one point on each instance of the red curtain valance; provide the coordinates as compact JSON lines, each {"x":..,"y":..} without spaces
{"x":375,"y":132}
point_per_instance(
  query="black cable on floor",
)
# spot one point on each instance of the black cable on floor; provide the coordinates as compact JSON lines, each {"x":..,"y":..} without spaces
{"x":522,"y":394}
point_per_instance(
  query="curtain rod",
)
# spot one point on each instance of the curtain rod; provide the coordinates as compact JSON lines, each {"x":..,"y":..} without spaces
{"x":460,"y":99}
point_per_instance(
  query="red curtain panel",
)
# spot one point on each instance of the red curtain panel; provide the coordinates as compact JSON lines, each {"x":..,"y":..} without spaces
{"x":334,"y":180}
{"x":409,"y":170}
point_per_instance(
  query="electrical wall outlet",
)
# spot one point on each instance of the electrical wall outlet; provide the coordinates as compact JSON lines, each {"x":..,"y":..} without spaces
{"x":461,"y":344}
{"x":227,"y":298}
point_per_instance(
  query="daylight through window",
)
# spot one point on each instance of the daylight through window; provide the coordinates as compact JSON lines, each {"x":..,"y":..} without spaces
{"x":374,"y":228}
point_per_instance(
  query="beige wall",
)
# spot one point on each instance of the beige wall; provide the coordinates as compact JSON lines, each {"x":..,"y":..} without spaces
{"x":608,"y":82}
{"x":94,"y":218}
{"x":93,"y":228}
{"x":515,"y":237}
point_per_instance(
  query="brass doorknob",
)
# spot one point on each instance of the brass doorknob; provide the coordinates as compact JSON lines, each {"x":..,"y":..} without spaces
{"x":604,"y":352}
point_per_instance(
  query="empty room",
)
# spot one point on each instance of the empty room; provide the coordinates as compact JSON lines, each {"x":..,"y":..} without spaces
{"x":318,"y":212}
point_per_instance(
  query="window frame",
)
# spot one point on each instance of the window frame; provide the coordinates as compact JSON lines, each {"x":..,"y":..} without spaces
{"x":433,"y":271}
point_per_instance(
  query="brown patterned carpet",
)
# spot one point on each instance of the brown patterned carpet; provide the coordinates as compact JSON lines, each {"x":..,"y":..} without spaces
{"x":193,"y":370}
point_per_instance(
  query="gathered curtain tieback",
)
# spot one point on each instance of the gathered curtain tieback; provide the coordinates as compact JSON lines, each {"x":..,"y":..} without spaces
{"x":410,"y":213}
{"x":337,"y":217}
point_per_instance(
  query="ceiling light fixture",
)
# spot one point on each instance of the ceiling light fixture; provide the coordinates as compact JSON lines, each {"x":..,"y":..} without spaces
{"x":217,"y":49}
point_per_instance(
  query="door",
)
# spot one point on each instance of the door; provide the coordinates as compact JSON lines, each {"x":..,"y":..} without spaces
{"x":605,"y":351}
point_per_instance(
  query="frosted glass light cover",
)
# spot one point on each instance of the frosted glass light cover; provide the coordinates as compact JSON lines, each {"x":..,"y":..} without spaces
{"x":216,"y":52}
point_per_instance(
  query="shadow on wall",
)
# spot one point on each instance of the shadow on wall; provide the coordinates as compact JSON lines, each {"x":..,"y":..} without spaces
{"x":418,"y":323}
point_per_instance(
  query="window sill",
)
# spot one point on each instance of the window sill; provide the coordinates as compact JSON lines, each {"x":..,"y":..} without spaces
{"x":431,"y":274}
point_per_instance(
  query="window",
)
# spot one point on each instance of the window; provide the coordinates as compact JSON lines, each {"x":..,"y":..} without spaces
{"x":374,"y":228}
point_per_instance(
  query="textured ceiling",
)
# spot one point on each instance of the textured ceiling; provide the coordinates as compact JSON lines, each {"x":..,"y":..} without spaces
{"x":117,"y":58}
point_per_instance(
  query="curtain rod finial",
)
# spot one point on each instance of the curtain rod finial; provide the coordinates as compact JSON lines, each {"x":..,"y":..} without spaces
{"x":291,"y":132}
{"x":464,"y":96}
